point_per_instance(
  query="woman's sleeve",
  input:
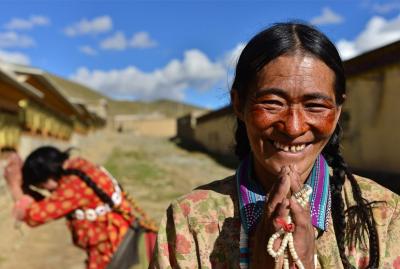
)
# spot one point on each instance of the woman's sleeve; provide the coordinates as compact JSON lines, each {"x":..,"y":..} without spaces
{"x":391,"y":255}
{"x":175,"y":246}
{"x":66,"y":198}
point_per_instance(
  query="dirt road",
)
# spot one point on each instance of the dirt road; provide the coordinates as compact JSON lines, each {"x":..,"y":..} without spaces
{"x":153,"y":170}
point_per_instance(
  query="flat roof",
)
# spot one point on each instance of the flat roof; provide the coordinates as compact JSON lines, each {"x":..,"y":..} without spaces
{"x":383,"y":56}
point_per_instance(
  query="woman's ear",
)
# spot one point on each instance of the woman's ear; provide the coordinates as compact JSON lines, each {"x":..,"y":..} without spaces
{"x":338,"y":113}
{"x":236,"y":104}
{"x":339,"y":108}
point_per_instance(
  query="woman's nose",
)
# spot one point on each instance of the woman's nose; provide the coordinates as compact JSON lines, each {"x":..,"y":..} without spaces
{"x":294,"y":123}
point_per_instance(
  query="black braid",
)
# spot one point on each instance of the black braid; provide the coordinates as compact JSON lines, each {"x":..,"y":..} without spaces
{"x":242,"y":147}
{"x":89,"y":181}
{"x":359,"y":217}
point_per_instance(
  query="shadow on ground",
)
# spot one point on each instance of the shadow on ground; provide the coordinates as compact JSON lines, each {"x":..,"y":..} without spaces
{"x":191,"y":146}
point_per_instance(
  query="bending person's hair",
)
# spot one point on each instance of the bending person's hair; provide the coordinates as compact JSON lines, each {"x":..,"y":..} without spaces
{"x":291,"y":38}
{"x":47,"y":162}
{"x":42,"y":164}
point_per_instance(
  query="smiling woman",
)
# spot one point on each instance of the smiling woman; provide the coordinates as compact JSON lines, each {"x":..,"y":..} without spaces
{"x":290,"y":113}
{"x":293,"y":200}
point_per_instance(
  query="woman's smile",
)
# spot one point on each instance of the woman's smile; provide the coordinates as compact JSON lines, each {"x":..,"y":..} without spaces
{"x":289,"y":148}
{"x":287,"y":152}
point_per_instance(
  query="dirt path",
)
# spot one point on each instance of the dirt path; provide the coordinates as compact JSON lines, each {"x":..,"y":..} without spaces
{"x":153,"y":170}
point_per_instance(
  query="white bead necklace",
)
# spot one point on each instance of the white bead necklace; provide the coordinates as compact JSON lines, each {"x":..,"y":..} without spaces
{"x":287,"y":245}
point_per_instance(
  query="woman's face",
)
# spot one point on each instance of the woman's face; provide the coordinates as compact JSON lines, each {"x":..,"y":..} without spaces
{"x":290,"y":114}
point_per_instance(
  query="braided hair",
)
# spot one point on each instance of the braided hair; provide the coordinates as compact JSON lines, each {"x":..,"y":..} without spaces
{"x":47,"y":162}
{"x":292,"y":37}
{"x":88,"y":180}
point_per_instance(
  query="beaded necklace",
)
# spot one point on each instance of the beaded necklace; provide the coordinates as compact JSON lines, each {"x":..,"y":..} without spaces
{"x":252,"y":198}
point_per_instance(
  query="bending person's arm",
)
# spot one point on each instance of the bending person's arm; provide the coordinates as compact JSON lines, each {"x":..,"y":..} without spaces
{"x":66,"y":198}
{"x":13,"y":178}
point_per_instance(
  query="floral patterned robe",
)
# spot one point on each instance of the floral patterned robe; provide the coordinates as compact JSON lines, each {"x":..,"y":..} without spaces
{"x":202,"y":229}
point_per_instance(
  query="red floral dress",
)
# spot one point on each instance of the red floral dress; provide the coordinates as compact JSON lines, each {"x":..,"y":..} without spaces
{"x":100,"y":237}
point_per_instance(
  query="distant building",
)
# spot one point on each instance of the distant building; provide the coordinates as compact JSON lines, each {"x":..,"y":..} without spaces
{"x":156,"y":125}
{"x":215,"y":131}
{"x":186,"y":126}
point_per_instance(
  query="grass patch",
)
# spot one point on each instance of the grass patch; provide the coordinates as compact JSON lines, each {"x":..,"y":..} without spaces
{"x":133,"y":164}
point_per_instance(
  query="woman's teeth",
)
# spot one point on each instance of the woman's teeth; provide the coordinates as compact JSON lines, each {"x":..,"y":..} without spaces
{"x":286,"y":148}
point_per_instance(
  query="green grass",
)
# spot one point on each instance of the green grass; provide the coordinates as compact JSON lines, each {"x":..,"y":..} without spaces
{"x":133,"y":165}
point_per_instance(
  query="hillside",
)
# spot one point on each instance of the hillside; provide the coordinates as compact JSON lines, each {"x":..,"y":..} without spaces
{"x":78,"y":92}
{"x":168,"y":108}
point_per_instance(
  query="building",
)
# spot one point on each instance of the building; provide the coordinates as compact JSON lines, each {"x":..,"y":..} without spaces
{"x":371,"y":112}
{"x":155,"y":124}
{"x":186,"y":126}
{"x":81,"y":94}
{"x":36,"y":111}
{"x":12,"y":94}
{"x":215,"y":131}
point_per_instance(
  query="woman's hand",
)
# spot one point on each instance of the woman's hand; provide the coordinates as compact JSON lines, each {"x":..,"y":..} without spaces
{"x":13,"y":175}
{"x":303,"y":235}
{"x":278,"y":206}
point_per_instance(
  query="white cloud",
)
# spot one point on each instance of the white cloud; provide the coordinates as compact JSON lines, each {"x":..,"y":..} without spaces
{"x":386,"y":7}
{"x":24,"y":24}
{"x":142,"y":40}
{"x":117,"y":41}
{"x":14,"y":57}
{"x":328,"y":16}
{"x":195,"y":71}
{"x":88,"y":50}
{"x":377,"y":33}
{"x":90,"y":27}
{"x":13,"y":39}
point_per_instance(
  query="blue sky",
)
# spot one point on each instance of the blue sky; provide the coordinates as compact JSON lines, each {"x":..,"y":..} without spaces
{"x":182,"y":50}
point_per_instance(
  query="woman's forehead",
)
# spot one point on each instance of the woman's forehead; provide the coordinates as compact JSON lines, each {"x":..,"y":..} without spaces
{"x":297,"y":74}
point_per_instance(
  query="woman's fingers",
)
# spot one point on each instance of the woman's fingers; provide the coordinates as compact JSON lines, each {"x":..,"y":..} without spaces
{"x":300,"y":215}
{"x":281,"y":212}
{"x":295,"y":181}
{"x":278,"y":193}
{"x":303,"y":235}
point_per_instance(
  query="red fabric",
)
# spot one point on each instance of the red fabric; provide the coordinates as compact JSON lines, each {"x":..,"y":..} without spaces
{"x":150,"y":241}
{"x":101,"y":237}
{"x":287,"y":227}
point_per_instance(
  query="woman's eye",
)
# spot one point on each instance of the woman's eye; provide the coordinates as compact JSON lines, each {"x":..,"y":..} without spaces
{"x":315,"y":106}
{"x":272,"y":102}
